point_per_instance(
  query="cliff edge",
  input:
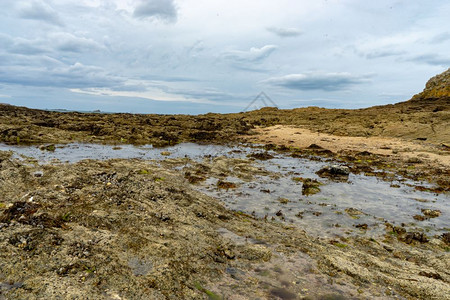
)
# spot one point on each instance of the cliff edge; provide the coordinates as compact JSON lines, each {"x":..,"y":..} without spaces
{"x":437,"y":87}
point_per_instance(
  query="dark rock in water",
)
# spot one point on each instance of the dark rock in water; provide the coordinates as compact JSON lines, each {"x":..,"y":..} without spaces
{"x":310,"y":187}
{"x":193,"y":178}
{"x":226,"y":185}
{"x":339,"y":170}
{"x":334,"y":172}
{"x":414,"y":236}
{"x":50,"y":148}
{"x":420,"y":218}
{"x":446,"y":237}
{"x":431,"y":213}
{"x":261,"y":155}
{"x":353,"y":212}
{"x":362,"y":226}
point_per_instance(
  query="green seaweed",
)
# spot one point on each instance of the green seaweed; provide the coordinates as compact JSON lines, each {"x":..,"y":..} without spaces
{"x":211,"y":295}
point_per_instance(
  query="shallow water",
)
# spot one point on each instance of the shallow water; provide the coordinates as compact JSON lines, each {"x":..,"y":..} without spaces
{"x":323,"y":214}
{"x":75,"y":152}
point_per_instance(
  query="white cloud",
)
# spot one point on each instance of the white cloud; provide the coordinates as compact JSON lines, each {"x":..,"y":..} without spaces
{"x":253,"y":55}
{"x":150,"y":94}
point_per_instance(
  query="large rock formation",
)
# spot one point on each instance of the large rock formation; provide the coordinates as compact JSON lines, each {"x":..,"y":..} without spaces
{"x":437,"y":87}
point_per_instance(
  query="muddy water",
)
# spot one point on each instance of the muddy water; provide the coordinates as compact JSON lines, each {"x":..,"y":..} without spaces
{"x":335,"y":211}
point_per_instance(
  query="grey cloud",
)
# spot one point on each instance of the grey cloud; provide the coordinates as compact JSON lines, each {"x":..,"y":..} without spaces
{"x":70,"y":43}
{"x":13,"y":60}
{"x":27,"y":47}
{"x":320,"y":103}
{"x":160,"y":9}
{"x":41,"y":11}
{"x":442,"y":37}
{"x":285,"y":32}
{"x":73,"y":76}
{"x":200,"y":93}
{"x":383,"y":53}
{"x":249,"y":68}
{"x":209,"y":94}
{"x":253,"y":55}
{"x":317,"y":81}
{"x":56,"y":42}
{"x":431,"y":59}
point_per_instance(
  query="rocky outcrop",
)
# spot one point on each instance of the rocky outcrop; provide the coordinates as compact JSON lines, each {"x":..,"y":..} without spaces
{"x":437,"y":87}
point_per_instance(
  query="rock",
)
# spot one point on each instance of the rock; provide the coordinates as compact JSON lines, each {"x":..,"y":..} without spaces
{"x":409,"y":237}
{"x":362,"y":226}
{"x":226,"y":185}
{"x":310,"y":187}
{"x":414,"y":160}
{"x":353,"y":211}
{"x":336,"y":172}
{"x":431,"y":213}
{"x":38,"y":174}
{"x":315,"y":146}
{"x":50,"y":148}
{"x":283,"y":200}
{"x":437,"y":87}
{"x":261,"y":155}
{"x":446,"y":238}
{"x":420,"y":218}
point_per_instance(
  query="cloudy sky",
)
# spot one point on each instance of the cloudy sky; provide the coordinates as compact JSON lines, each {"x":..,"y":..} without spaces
{"x":198,"y":56}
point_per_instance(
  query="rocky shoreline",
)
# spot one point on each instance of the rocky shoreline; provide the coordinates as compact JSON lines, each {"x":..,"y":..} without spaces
{"x":141,"y":228}
{"x":129,"y":229}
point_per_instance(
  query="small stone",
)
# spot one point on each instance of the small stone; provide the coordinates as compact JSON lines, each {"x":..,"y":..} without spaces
{"x":38,"y":174}
{"x":432,"y":213}
{"x":353,"y":211}
{"x":283,"y":200}
{"x":362,"y":226}
{"x":419,"y":217}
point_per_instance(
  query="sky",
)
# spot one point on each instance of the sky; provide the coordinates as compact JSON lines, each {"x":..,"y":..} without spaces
{"x":199,"y":56}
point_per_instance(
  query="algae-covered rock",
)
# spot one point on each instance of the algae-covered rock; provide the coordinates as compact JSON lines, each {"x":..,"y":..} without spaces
{"x":437,"y":87}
